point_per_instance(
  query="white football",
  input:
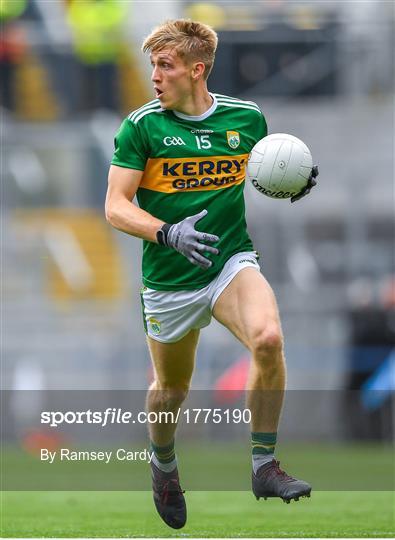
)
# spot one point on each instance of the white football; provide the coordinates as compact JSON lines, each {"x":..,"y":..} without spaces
{"x":279,"y":165}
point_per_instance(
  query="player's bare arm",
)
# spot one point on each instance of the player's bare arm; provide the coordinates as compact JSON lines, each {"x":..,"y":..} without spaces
{"x":127,"y":217}
{"x":121,"y":212}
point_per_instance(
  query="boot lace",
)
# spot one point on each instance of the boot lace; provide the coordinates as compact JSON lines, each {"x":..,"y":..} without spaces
{"x":170,"y":491}
{"x":275,"y":471}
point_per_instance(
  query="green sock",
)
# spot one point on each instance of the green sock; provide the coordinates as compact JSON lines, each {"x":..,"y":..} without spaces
{"x":164,"y":456}
{"x":263,"y":445}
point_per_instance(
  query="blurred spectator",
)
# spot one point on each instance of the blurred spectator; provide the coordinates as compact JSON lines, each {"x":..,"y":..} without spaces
{"x":372,"y":340}
{"x":12,"y":48}
{"x":97,"y":28}
{"x":207,"y":13}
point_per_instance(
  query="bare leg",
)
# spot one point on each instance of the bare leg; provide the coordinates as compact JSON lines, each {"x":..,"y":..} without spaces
{"x":173,"y":367}
{"x":247,"y":307}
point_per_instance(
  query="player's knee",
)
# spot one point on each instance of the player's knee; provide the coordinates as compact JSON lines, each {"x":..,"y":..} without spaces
{"x":169,"y":398}
{"x":174,"y":398}
{"x":267,"y":344}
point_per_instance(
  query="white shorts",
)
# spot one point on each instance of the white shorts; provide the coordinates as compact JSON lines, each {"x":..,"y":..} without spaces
{"x":170,"y":315}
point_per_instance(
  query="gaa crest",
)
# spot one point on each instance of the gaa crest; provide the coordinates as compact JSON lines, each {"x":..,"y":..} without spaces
{"x":233,"y":138}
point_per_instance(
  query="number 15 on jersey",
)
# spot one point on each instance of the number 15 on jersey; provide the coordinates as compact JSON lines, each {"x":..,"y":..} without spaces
{"x":203,"y":142}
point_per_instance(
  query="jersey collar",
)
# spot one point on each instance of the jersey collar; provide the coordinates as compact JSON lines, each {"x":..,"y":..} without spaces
{"x":203,"y":116}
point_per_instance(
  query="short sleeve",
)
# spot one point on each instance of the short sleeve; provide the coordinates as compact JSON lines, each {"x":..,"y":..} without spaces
{"x":130,"y":149}
{"x":262,"y":127}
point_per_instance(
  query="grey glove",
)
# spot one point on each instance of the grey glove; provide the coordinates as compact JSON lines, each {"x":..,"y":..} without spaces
{"x":311,"y":182}
{"x":186,"y":240}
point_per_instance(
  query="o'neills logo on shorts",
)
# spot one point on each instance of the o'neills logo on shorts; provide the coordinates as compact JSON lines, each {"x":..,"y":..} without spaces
{"x":172,"y":175}
{"x":247,"y":260}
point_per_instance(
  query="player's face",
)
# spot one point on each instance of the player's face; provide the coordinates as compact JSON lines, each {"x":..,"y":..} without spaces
{"x":172,"y":78}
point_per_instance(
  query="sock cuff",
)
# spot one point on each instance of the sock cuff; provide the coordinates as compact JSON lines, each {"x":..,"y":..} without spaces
{"x":263,"y":443}
{"x":164,"y":454}
{"x":160,"y":449}
{"x":261,"y":437}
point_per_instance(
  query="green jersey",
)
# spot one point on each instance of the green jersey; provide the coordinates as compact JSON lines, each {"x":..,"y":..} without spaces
{"x":191,"y":163}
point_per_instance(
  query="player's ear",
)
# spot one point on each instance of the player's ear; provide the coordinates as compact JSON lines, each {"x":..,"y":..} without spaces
{"x":198,"y":70}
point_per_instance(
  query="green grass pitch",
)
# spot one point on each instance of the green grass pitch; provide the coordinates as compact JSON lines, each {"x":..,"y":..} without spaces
{"x":210,"y":514}
{"x":230,"y":514}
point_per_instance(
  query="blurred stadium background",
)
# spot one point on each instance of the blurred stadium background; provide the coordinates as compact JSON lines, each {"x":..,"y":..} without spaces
{"x":323,"y":71}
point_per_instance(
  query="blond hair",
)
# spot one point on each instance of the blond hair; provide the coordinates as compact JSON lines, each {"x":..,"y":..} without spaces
{"x":192,"y":41}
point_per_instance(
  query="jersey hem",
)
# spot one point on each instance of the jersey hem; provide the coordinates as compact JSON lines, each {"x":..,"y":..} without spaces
{"x":181,"y":287}
{"x":194,"y":286}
